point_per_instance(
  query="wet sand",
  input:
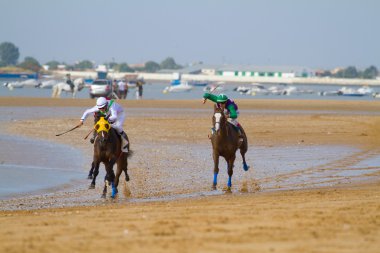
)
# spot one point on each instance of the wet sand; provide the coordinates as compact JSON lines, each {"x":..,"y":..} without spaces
{"x":311,"y":209}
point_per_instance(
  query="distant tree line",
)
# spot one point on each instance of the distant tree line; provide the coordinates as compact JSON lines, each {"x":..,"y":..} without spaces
{"x":351,"y":72}
{"x":9,"y":55}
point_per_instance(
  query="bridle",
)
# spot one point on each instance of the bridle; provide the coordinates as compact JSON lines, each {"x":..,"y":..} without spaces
{"x":102,"y":127}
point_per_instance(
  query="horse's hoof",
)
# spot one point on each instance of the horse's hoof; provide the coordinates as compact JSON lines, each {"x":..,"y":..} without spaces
{"x":228,"y":190}
{"x":213,"y":187}
{"x":103,"y":196}
{"x":114,"y":193}
{"x":127,"y":178}
{"x":92,"y":186}
{"x":245,"y":167}
{"x":89,"y":177}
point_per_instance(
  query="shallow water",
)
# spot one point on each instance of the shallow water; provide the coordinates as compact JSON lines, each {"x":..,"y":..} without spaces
{"x":28,"y":165}
{"x":155,"y":91}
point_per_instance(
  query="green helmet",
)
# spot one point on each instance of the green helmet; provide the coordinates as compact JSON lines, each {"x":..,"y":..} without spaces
{"x":221,"y":98}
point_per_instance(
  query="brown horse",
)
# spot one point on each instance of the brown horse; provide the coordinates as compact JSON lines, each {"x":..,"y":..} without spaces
{"x":225,"y":143}
{"x":107,"y":150}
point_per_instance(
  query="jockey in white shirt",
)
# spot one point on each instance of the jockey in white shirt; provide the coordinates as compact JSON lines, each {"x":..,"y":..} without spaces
{"x":116,"y":117}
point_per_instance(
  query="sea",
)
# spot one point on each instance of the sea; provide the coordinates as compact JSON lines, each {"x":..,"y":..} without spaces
{"x":155,"y":90}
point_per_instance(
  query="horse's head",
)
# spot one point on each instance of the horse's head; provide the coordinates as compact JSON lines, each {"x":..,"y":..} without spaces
{"x":219,"y":119}
{"x":79,"y":83}
{"x":102,"y":128}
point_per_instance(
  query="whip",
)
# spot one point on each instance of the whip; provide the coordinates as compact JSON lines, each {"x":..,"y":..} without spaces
{"x":89,"y":133}
{"x":68,"y":130}
{"x":211,"y":91}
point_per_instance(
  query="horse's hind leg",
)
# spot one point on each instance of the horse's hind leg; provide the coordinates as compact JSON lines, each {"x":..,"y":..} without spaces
{"x":243,"y":149}
{"x":91,"y":172}
{"x":216,"y":170}
{"x":124,"y":164}
{"x":104,"y":194}
{"x":54,"y":93}
{"x":245,"y":165}
{"x":95,"y":168}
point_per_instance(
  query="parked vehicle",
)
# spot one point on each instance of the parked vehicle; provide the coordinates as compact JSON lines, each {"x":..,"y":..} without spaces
{"x":101,"y":88}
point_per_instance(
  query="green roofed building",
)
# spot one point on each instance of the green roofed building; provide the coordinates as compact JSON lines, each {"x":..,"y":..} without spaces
{"x":249,"y":71}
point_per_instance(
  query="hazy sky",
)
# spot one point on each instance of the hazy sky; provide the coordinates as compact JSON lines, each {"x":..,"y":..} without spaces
{"x":310,"y":33}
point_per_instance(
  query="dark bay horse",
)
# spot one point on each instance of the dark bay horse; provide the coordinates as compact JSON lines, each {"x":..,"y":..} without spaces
{"x":225,"y":143}
{"x":107,"y":150}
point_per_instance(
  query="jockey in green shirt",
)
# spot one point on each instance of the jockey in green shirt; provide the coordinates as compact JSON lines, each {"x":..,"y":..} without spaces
{"x":230,"y":108}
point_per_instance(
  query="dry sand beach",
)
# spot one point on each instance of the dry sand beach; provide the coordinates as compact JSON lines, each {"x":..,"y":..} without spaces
{"x":329,"y":201}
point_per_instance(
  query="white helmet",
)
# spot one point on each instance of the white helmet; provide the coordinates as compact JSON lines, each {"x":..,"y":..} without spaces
{"x":101,"y":102}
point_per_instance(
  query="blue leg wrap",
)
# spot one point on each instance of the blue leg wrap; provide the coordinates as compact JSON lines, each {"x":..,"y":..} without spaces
{"x":229,"y":184}
{"x":215,"y":178}
{"x":114,"y":190}
{"x":245,"y":166}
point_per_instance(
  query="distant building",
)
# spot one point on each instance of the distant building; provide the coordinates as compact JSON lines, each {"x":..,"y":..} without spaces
{"x":61,"y":67}
{"x":249,"y":71}
{"x":263,"y":71}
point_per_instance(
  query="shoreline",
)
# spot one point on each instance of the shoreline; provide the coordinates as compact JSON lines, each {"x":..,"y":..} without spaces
{"x":230,"y":79}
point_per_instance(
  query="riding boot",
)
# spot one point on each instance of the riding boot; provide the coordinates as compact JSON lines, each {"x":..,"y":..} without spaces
{"x":124,"y":142}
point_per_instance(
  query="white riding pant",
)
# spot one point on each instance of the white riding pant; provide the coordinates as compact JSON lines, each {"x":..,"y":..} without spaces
{"x":118,"y":124}
{"x":233,"y":122}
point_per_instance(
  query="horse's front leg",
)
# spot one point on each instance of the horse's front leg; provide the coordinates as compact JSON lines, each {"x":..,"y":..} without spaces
{"x":112,"y":178}
{"x":216,"y":170}
{"x":230,"y":164}
{"x":95,"y":168}
{"x":109,"y":177}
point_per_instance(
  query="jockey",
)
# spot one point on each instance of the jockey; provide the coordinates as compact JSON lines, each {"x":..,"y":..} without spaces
{"x":116,"y":117}
{"x":69,"y":82}
{"x":229,"y":107}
